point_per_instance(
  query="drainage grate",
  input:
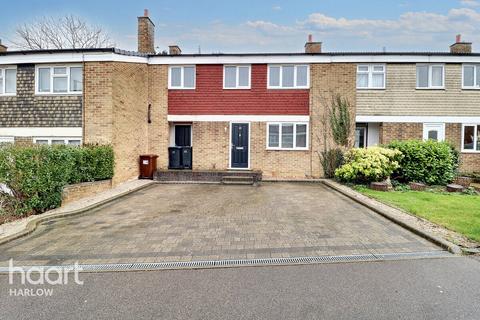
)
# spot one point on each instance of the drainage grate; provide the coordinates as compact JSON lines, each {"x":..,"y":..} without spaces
{"x":245,"y":262}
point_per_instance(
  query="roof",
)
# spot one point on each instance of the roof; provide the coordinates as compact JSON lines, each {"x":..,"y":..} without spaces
{"x":337,"y":53}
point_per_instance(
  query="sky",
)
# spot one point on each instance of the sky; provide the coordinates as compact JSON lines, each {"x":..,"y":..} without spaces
{"x":268,"y":25}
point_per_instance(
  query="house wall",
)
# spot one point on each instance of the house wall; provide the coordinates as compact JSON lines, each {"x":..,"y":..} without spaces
{"x":209,"y":97}
{"x":327,"y":81}
{"x":29,"y":110}
{"x":116,"y":104}
{"x":469,"y":162}
{"x":158,"y":129}
{"x":401,"y":98}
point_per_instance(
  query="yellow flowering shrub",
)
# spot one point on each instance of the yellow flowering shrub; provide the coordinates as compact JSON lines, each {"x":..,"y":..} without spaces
{"x":368,"y":165}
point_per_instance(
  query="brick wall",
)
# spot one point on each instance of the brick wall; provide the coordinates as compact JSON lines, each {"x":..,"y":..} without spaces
{"x":28,"y":110}
{"x":78,"y":191}
{"x":158,"y":129}
{"x":116,"y":103}
{"x":23,"y":141}
{"x":210,"y":144}
{"x":328,"y":80}
{"x":209,"y":97}
{"x":400,"y":131}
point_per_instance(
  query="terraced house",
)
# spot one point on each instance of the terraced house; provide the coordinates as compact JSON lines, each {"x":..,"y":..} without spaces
{"x":254,"y":112}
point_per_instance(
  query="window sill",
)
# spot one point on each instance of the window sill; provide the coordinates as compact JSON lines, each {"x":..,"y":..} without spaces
{"x":58,"y":93}
{"x":421,"y":89}
{"x":470,"y":151}
{"x":170,"y":88}
{"x":240,"y":88}
{"x":287,"y":149}
{"x":289,"y":88}
{"x":8,"y":95}
{"x":375,"y":89}
{"x":471,"y":88}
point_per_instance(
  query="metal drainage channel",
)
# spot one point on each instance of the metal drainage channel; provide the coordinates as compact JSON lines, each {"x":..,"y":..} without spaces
{"x":241,"y":262}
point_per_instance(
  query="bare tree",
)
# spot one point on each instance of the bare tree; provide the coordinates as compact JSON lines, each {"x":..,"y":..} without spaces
{"x":61,"y":33}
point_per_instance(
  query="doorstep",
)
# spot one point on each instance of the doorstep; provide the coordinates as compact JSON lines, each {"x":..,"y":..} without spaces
{"x":204,"y":176}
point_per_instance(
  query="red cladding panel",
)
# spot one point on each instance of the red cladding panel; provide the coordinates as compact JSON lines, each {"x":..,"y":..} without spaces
{"x":210,"y":98}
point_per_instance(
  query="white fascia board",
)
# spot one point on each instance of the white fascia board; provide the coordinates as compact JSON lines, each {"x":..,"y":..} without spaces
{"x":76,"y":57}
{"x":228,"y":118}
{"x":307,"y":59}
{"x":41,"y":132}
{"x":419,"y":119}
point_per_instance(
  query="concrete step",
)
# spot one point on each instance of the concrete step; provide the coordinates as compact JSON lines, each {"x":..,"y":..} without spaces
{"x":241,"y":180}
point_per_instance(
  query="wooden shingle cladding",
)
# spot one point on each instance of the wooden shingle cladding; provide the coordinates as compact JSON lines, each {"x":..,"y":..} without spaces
{"x":401,"y":98}
{"x":26,"y":109}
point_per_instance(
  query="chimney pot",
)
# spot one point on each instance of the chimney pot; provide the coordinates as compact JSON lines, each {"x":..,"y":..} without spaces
{"x":460,"y":47}
{"x":174,"y":50}
{"x":310,"y":38}
{"x":146,"y":34}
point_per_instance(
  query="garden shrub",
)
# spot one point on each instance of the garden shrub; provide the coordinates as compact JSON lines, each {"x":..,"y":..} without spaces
{"x":368,"y":165}
{"x":331,"y":160}
{"x":430,"y":162}
{"x":36,"y":175}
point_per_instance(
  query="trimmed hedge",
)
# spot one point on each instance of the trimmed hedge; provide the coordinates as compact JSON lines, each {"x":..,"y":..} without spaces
{"x":36,"y":175}
{"x":368,"y":165}
{"x":430,"y":162}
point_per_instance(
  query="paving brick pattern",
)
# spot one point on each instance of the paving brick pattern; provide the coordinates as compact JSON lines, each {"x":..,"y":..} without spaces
{"x":198,"y":222}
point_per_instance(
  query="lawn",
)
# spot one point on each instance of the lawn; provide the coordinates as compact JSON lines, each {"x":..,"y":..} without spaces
{"x":458,"y":212}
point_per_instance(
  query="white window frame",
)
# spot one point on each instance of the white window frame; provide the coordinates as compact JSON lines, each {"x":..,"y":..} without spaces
{"x":65,"y":140}
{"x":475,"y":67}
{"x":237,"y":80}
{"x":2,"y":75}
{"x":182,"y":77}
{"x":295,"y":86}
{"x":475,"y":137}
{"x":440,"y":127}
{"x":370,"y":73}
{"x":52,"y":76}
{"x":295,"y":148}
{"x":7,"y":139}
{"x":430,"y":76}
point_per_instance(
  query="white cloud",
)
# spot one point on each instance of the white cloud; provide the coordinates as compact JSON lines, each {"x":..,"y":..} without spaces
{"x":470,"y":3}
{"x":276,"y":8}
{"x":410,"y":31}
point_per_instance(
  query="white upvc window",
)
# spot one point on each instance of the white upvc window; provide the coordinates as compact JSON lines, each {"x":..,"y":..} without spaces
{"x":430,"y":76}
{"x":471,"y":138}
{"x":8,"y":81}
{"x":287,"y":136}
{"x":471,"y":76}
{"x":434,"y":131}
{"x":181,"y":77}
{"x":58,"y":79}
{"x":288,"y":76}
{"x":5,"y":140}
{"x":71,"y":141}
{"x":371,"y":76}
{"x":236,"y":76}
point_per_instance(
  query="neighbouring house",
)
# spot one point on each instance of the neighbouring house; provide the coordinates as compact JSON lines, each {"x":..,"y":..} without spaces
{"x":259,"y":112}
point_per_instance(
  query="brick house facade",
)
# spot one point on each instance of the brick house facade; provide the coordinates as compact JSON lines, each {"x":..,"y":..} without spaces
{"x":142,"y":102}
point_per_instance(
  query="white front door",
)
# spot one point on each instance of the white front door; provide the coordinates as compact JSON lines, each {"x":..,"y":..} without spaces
{"x":434,"y":131}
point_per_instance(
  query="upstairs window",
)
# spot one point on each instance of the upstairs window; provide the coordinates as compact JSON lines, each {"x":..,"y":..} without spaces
{"x":8,"y":81}
{"x":236,"y":77}
{"x":471,"y":76}
{"x":430,"y":76}
{"x":59,"y":80}
{"x":371,"y":76}
{"x":471,"y":138}
{"x":181,"y":77}
{"x":287,"y":136}
{"x":288,"y":77}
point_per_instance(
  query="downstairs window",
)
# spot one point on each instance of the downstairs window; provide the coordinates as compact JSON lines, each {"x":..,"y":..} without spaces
{"x":287,"y":136}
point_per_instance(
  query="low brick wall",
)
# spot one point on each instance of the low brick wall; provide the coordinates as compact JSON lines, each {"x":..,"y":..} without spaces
{"x":78,"y":191}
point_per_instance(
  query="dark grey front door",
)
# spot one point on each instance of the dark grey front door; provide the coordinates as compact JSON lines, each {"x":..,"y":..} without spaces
{"x":240,"y":146}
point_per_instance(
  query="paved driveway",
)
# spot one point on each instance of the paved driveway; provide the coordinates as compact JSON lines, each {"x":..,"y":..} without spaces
{"x":199,"y":222}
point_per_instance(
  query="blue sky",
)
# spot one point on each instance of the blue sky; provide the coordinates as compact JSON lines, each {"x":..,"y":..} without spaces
{"x":268,"y":25}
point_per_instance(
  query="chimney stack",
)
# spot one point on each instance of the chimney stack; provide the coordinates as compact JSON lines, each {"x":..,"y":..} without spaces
{"x":174,"y":50}
{"x":313,"y":47}
{"x":461,"y":47}
{"x":3,"y":48}
{"x":146,"y":34}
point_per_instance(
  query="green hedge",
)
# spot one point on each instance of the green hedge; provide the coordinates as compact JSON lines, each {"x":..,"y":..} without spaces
{"x":37,"y":174}
{"x":368,"y":165}
{"x":430,"y":162}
